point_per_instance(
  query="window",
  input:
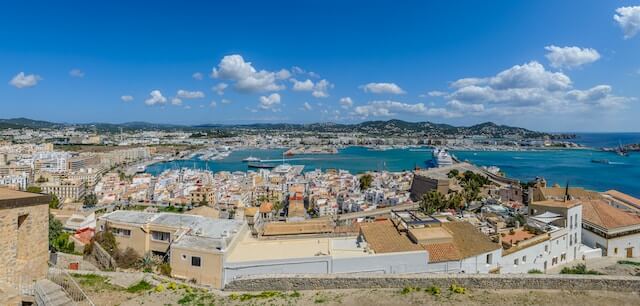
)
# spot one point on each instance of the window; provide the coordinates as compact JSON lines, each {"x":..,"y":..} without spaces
{"x":195,"y":261}
{"x":570,"y":222}
{"x":184,"y":256}
{"x":515,"y":261}
{"x":160,"y":236}
{"x":575,"y":237}
{"x":489,"y":259}
{"x":546,"y":248}
{"x":615,"y":251}
{"x":21,"y":219}
{"x":563,"y":256}
{"x":524,"y":258}
{"x":121,"y":232}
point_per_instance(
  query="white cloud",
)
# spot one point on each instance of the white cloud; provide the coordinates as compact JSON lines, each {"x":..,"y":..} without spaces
{"x":245,"y":76}
{"x":271,"y":102}
{"x":383,"y":88}
{"x":306,"y":106}
{"x":299,"y":71}
{"x":126,"y":98}
{"x":283,"y":74}
{"x":306,"y":85}
{"x":197,"y":76}
{"x":628,"y":18}
{"x":187,"y":107}
{"x":156,"y":97}
{"x":390,"y":108}
{"x":570,"y":57}
{"x":76,"y":73}
{"x":346,"y":102}
{"x":321,"y":89}
{"x":219,"y":88}
{"x":435,"y":93}
{"x":225,"y":101}
{"x":176,"y":101}
{"x":213,"y":104}
{"x":21,"y":80}
{"x":528,"y":88}
{"x":185,"y":94}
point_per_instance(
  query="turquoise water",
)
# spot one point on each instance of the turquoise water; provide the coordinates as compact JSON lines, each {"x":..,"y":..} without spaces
{"x":557,"y":166}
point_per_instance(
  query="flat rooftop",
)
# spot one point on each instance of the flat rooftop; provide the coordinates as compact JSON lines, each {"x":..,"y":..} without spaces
{"x":10,"y":197}
{"x":249,"y":248}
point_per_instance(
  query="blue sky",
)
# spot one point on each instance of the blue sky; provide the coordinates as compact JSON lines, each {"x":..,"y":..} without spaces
{"x":546,"y":65}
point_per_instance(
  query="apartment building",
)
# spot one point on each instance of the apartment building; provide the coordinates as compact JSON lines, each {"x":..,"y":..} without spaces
{"x":615,"y":231}
{"x":73,"y":190}
{"x":195,"y":246}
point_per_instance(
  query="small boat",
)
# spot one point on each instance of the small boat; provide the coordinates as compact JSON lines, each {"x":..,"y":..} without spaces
{"x":251,"y":159}
{"x":261,"y":165}
{"x":601,"y":161}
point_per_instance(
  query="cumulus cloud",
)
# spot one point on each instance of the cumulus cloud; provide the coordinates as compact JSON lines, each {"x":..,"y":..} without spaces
{"x":346,"y":102}
{"x":126,"y":98}
{"x":225,"y":101}
{"x":197,"y":76}
{"x":435,"y":93}
{"x":213,"y":104}
{"x":628,"y":18}
{"x":76,"y":73}
{"x":528,"y":88}
{"x":390,"y":108}
{"x":570,"y":57}
{"x":185,"y":94}
{"x":283,"y":74}
{"x":319,"y":89}
{"x":219,"y":88}
{"x":22,"y":80}
{"x":383,"y":88}
{"x":176,"y":101}
{"x":271,"y":102}
{"x":306,"y":106}
{"x":246,"y":77}
{"x":299,"y":71}
{"x":155,"y":97}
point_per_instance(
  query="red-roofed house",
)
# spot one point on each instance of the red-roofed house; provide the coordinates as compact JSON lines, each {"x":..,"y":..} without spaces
{"x":615,"y":231}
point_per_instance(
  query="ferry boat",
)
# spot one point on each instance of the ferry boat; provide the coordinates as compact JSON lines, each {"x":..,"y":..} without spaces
{"x":141,"y":169}
{"x":261,"y":165}
{"x":601,"y":161}
{"x":441,"y":157}
{"x":251,"y":159}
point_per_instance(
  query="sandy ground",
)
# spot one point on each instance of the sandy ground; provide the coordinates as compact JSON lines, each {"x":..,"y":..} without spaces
{"x":365,"y":297}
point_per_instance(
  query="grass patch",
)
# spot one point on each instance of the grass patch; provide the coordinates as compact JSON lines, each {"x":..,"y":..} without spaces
{"x":139,"y":287}
{"x":628,"y":262}
{"x":579,"y":269}
{"x":457,"y":289}
{"x":535,"y":271}
{"x":320,"y":300}
{"x":433,"y":290}
{"x":94,"y":282}
{"x":407,"y":290}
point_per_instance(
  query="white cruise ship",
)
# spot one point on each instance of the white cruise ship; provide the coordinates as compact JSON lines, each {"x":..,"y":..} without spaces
{"x":441,"y":157}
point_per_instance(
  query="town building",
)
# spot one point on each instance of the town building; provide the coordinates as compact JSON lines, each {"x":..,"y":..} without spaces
{"x":615,"y":231}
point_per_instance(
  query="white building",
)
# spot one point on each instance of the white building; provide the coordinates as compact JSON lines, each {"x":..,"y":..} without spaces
{"x":615,"y":231}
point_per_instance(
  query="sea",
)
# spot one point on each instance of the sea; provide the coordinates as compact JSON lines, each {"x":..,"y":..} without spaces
{"x":571,"y":166}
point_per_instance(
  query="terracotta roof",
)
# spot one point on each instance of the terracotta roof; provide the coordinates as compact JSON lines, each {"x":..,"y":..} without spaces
{"x":604,"y":215}
{"x":574,"y":192}
{"x":518,"y":235}
{"x":468,"y":240}
{"x":440,"y":252}
{"x":383,"y":237}
{"x":556,"y":203}
{"x":624,"y":197}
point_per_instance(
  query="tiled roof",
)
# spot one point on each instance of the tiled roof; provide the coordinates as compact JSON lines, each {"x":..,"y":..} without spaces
{"x":440,"y":252}
{"x":297,"y":228}
{"x":604,"y":215}
{"x":468,"y":240}
{"x":383,"y":237}
{"x":624,"y":197}
{"x":558,"y":203}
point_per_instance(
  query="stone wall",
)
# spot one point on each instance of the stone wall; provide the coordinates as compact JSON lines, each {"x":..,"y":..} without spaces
{"x":477,"y":281}
{"x":24,"y":241}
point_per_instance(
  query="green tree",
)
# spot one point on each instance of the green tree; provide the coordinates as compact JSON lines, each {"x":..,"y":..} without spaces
{"x":432,"y":201}
{"x":365,"y":181}
{"x":453,"y":173}
{"x":55,"y":229}
{"x":55,"y":202}
{"x":90,"y":200}
{"x":456,"y":201}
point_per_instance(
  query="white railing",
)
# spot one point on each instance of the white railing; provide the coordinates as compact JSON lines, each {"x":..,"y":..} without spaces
{"x":70,"y":286}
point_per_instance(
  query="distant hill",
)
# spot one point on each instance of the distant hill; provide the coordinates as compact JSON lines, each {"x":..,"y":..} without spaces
{"x":383,"y":128}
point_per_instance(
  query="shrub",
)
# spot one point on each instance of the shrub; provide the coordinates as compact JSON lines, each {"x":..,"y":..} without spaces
{"x":141,"y":286}
{"x":628,"y":262}
{"x":579,"y":269}
{"x":172,"y":286}
{"x":165,"y":269}
{"x":457,"y":289}
{"x":433,"y":290}
{"x":159,"y":288}
{"x":295,"y":294}
{"x":407,"y":290}
{"x":535,"y":271}
{"x":127,"y":259}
